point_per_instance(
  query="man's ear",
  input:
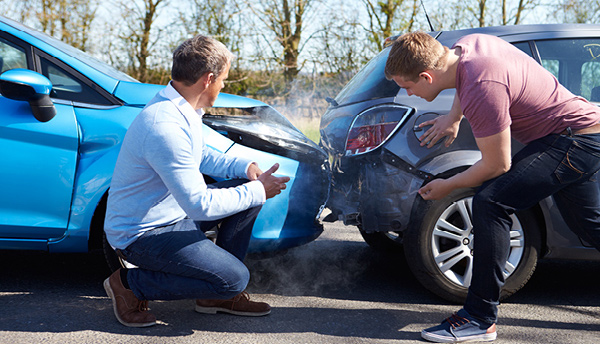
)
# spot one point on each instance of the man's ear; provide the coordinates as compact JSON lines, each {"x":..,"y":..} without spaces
{"x":427,"y":76}
{"x":207,"y":79}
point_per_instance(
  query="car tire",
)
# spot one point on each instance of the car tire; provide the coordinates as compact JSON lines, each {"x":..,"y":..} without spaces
{"x":449,"y":276}
{"x":385,"y":242}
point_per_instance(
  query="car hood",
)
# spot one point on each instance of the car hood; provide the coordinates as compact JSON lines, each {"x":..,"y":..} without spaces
{"x":246,"y":121}
{"x":139,"y":94}
{"x":263,"y":128}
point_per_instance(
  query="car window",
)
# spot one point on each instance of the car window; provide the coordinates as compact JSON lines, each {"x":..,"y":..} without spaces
{"x":524,"y":47}
{"x":66,"y":86}
{"x":575,"y":63}
{"x":11,"y":56}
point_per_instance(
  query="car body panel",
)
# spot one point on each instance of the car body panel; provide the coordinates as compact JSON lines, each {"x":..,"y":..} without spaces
{"x":75,"y":153}
{"x":270,"y":226}
{"x":364,"y":190}
{"x":136,"y":93}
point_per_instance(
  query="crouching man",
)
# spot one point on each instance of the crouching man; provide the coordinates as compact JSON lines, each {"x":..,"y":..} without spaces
{"x":159,"y":205}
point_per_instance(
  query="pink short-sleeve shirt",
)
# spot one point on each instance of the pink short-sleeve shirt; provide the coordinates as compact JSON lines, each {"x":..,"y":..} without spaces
{"x":500,"y":86}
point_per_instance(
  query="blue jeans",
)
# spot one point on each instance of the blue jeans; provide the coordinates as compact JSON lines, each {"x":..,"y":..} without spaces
{"x":179,"y":262}
{"x":562,"y":166}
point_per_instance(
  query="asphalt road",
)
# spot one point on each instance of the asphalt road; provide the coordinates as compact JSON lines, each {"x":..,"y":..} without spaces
{"x":334,"y":290}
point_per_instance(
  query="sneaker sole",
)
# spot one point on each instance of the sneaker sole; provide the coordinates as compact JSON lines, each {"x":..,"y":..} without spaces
{"x":215,"y":310}
{"x":110,"y":294}
{"x":442,"y":339}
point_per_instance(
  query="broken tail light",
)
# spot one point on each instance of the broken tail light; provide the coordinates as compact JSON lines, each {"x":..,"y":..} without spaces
{"x":373,"y":127}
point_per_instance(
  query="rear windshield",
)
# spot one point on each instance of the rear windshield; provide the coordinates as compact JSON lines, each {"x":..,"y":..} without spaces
{"x":369,"y":83}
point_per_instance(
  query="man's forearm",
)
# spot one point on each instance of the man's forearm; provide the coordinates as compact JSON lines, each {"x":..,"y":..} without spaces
{"x":456,"y":111}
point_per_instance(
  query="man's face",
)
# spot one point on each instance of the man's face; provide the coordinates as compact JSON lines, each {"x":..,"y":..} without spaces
{"x":216,"y":85}
{"x":422,"y":88}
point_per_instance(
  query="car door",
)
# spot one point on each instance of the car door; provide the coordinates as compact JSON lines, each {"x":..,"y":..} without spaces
{"x":37,"y":162}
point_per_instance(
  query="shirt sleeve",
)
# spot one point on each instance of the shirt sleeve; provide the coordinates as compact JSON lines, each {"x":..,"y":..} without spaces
{"x":486,"y":105}
{"x":168,"y":150}
{"x":218,"y":164}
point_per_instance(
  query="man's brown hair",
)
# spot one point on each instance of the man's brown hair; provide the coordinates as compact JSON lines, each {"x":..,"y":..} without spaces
{"x":197,"y":56}
{"x":413,"y":53}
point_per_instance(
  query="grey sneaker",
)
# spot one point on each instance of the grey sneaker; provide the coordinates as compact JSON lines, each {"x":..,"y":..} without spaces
{"x":458,"y":328}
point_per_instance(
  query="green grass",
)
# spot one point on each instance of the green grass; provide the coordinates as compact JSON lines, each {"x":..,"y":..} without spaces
{"x":309,"y":127}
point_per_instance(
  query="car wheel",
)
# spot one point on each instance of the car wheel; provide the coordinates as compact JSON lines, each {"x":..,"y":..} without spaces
{"x":438,"y":247}
{"x":112,"y":259}
{"x":387,"y":242}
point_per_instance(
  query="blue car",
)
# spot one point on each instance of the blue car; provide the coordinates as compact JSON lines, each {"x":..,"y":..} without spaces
{"x":62,"y":120}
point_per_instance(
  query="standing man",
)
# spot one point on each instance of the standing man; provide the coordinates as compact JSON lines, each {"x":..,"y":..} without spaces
{"x":159,"y":205}
{"x":503,"y":93}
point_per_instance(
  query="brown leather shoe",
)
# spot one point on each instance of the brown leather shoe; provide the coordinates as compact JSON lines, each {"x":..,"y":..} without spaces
{"x":128,"y":309}
{"x":238,"y":305}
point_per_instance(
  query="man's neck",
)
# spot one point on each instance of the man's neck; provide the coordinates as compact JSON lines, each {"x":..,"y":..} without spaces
{"x":189,"y":93}
{"x":449,"y":70}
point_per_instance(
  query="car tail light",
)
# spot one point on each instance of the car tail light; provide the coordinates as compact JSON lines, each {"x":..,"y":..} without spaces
{"x":373,"y":127}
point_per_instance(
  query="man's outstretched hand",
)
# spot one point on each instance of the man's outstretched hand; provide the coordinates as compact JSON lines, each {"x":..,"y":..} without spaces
{"x":273,"y":185}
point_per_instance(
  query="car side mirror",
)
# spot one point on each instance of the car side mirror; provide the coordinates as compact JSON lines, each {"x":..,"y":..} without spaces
{"x":26,"y":85}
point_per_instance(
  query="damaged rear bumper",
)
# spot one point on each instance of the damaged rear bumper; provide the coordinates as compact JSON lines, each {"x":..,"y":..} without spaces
{"x":378,"y":195}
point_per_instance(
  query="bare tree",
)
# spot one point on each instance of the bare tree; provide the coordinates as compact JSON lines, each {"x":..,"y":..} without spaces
{"x":17,"y":10}
{"x":389,"y":17}
{"x":68,"y":20}
{"x":138,"y":35}
{"x":577,"y":11}
{"x":285,"y":20}
{"x":515,"y":15}
{"x":479,"y":12}
{"x":222,"y":20}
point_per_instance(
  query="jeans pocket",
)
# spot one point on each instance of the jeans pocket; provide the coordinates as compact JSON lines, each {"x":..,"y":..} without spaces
{"x":577,"y":163}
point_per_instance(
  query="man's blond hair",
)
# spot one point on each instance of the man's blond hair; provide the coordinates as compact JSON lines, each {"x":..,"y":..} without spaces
{"x":413,"y":53}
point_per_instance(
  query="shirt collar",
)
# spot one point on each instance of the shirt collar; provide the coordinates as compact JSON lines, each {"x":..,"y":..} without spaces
{"x":183,"y":105}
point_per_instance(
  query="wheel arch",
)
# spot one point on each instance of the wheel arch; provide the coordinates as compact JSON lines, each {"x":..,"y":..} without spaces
{"x":97,"y":224}
{"x":452,"y":163}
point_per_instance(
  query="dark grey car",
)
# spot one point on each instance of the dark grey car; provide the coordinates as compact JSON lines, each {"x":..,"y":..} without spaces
{"x":370,"y":132}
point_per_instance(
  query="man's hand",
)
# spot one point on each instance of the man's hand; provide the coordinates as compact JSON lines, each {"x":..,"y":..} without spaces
{"x":273,"y":185}
{"x":253,"y":171}
{"x":436,"y":189}
{"x":442,"y":126}
{"x":495,"y":160}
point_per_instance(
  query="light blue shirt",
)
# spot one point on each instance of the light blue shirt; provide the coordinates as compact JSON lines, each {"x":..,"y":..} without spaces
{"x":158,"y":175}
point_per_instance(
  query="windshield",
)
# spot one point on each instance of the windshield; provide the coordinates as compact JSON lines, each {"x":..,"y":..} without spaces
{"x":369,"y":83}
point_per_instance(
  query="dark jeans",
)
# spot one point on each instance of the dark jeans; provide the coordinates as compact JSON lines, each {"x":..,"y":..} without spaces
{"x":179,"y":262}
{"x":560,"y":165}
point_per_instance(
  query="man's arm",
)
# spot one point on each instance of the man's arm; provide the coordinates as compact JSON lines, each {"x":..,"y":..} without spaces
{"x":495,"y":161}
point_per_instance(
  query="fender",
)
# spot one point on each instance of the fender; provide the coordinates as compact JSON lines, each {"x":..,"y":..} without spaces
{"x":451,"y":160}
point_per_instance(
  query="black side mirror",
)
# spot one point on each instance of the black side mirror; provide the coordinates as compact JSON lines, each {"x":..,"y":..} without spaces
{"x":26,"y":85}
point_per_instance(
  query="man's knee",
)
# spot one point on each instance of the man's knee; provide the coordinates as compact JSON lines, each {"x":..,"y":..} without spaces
{"x":236,"y":281}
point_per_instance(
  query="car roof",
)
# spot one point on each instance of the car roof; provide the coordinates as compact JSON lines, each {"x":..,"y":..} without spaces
{"x":533,"y":31}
